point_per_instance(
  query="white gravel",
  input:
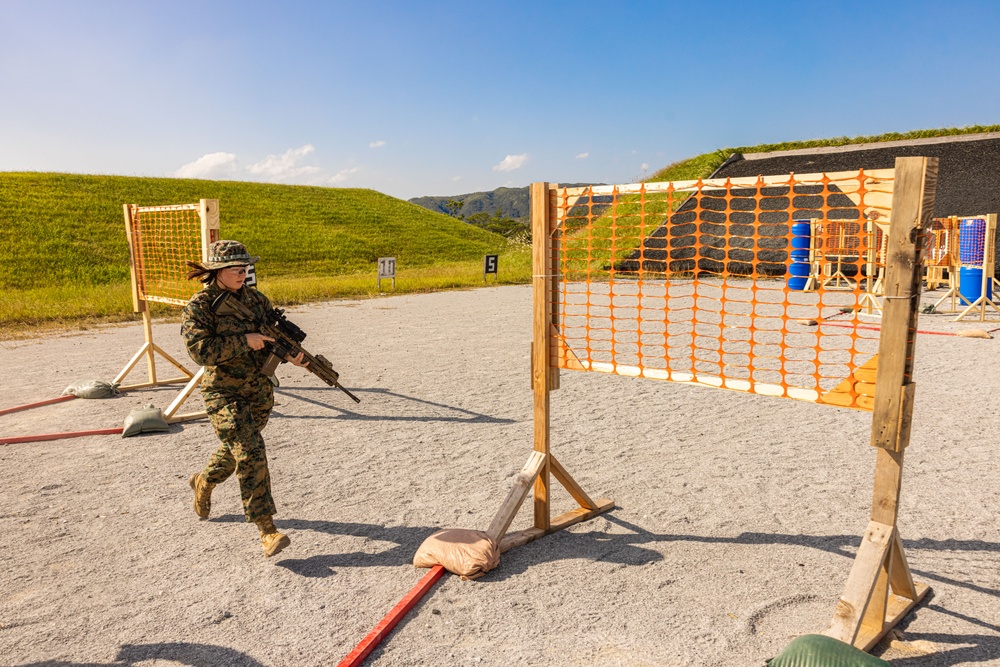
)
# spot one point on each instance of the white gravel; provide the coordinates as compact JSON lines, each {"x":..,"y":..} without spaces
{"x":737,"y":520}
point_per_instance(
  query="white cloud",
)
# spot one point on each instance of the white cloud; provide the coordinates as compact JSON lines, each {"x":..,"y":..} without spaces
{"x":511,"y":162}
{"x":210,"y":166}
{"x":582,"y":156}
{"x":645,"y":166}
{"x":342,"y":175}
{"x":285,"y":166}
{"x":455,"y":179}
{"x":377,"y":144}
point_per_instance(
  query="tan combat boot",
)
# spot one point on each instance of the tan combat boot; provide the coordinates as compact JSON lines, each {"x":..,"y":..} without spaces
{"x":272,"y":541}
{"x":202,"y":495}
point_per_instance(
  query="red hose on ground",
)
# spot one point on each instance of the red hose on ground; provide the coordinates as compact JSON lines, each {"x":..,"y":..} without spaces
{"x":60,"y":436}
{"x":875,"y":328}
{"x":28,"y":406}
{"x":385,"y":626}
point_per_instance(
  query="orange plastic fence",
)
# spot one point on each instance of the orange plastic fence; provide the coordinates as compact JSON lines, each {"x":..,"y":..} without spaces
{"x":163,"y":239}
{"x":689,"y":282}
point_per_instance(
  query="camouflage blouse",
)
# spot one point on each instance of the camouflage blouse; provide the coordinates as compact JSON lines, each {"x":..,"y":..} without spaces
{"x":219,"y":343}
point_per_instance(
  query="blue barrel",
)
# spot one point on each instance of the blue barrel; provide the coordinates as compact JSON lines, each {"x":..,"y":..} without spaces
{"x":970,"y":284}
{"x":801,"y":244}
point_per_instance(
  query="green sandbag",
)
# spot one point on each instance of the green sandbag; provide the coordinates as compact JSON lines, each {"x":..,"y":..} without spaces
{"x":823,"y":651}
{"x":148,"y":419}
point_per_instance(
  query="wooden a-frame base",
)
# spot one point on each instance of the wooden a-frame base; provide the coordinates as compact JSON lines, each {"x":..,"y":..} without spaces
{"x":148,"y":350}
{"x":880,"y":590}
{"x":522,"y":485}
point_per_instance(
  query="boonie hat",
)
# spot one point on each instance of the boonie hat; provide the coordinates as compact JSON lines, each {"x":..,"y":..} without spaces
{"x":228,"y":253}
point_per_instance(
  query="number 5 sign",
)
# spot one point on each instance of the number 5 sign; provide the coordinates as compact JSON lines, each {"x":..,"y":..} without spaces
{"x":490,"y":266}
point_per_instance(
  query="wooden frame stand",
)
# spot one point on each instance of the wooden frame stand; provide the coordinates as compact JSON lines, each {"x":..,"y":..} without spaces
{"x":542,"y":465}
{"x":208,"y":212}
{"x":988,"y":281}
{"x":148,"y":350}
{"x":880,"y":589}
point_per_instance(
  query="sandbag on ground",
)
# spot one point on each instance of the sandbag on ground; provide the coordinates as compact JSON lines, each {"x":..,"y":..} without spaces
{"x":467,"y":553}
{"x":92,"y":389}
{"x":147,"y":419}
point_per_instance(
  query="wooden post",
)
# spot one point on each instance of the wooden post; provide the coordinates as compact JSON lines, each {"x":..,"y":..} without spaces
{"x":541,"y":263}
{"x":208,"y":211}
{"x":544,"y":379}
{"x":880,"y":590}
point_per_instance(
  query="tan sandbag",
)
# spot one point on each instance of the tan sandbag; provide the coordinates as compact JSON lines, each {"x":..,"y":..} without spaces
{"x":92,"y":389}
{"x":973,"y":333}
{"x":467,"y":553}
{"x":147,"y":419}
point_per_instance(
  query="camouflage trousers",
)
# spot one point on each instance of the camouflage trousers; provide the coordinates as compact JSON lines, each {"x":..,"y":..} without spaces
{"x":238,"y":421}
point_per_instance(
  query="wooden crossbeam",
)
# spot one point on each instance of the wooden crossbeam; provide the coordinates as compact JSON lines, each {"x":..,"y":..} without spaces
{"x":522,"y":485}
{"x":170,"y":412}
{"x":571,"y":518}
{"x":575,"y":490}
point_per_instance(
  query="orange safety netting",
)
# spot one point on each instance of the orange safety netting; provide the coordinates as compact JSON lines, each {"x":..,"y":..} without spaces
{"x":163,"y":239}
{"x":689,"y":282}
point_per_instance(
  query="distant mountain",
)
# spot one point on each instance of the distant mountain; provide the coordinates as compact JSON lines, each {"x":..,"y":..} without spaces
{"x":511,"y":202}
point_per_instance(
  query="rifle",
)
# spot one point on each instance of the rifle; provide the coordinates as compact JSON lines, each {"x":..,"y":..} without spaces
{"x":287,"y":340}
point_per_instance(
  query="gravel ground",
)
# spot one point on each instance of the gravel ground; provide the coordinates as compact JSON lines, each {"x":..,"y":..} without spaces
{"x":738,"y":516}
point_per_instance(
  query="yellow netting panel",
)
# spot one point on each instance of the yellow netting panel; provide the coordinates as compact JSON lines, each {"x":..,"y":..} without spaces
{"x":163,"y":239}
{"x":745,"y":284}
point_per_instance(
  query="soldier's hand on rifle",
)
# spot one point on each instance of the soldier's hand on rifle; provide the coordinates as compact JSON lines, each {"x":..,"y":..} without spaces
{"x":257,"y":341}
{"x":298,"y":360}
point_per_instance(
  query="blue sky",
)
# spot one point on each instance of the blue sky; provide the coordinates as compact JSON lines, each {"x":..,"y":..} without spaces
{"x":440,"y":98}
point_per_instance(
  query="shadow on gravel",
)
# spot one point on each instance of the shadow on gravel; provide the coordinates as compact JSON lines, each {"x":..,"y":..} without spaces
{"x":968,"y":649}
{"x":195,"y":655}
{"x":392,"y":404}
{"x":948,"y":649}
{"x":627,"y":550}
{"x":406,"y":539}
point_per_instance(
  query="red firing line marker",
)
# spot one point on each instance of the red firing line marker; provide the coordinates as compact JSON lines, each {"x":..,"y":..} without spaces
{"x":385,"y":626}
{"x":28,"y":406}
{"x":60,"y":436}
{"x":872,"y":327}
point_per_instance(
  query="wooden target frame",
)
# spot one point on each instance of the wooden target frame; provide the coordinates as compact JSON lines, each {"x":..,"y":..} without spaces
{"x":157,"y":270}
{"x":949,"y":260}
{"x":880,"y":589}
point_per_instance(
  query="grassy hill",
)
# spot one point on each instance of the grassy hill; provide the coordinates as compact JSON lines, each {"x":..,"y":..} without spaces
{"x":64,"y":254}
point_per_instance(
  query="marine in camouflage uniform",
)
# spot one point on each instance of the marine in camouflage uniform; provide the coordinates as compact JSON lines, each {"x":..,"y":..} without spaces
{"x":238,"y":397}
